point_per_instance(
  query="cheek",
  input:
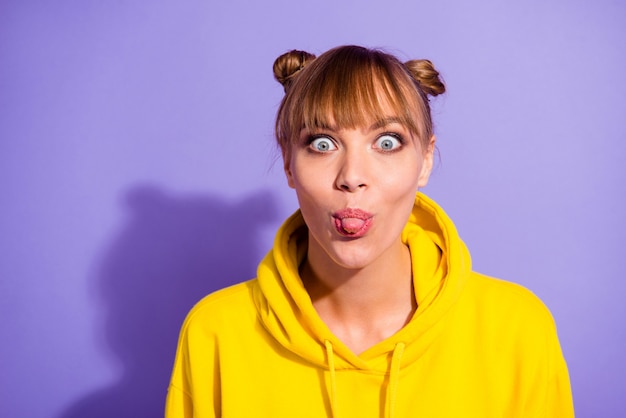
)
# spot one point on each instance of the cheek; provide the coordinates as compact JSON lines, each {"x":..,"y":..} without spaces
{"x":310,"y":191}
{"x":405,"y":178}
{"x":309,"y":177}
{"x":308,"y":187}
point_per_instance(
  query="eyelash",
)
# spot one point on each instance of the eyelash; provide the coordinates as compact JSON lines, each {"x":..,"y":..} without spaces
{"x":397,"y":136}
{"x":313,"y":137}
{"x":310,"y":138}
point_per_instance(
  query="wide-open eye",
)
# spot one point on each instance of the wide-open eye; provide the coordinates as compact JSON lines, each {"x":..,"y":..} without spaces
{"x":388,"y":142}
{"x":322,"y":144}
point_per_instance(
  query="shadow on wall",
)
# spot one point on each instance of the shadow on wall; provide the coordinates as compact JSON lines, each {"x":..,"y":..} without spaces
{"x":171,"y":252}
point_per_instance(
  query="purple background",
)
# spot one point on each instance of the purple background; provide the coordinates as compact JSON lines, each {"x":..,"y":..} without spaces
{"x":138,"y":173}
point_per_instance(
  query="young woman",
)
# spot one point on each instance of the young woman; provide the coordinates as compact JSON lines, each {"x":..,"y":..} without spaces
{"x":367,"y":305}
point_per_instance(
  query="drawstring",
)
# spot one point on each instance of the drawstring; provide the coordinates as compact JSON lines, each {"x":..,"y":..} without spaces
{"x":392,"y":388}
{"x":394,"y":379}
{"x":333,"y":377}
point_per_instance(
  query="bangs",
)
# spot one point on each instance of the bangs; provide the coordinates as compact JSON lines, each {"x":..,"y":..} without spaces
{"x":350,"y":89}
{"x":351,"y":98}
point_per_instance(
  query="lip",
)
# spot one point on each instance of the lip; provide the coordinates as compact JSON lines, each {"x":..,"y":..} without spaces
{"x":353,"y":213}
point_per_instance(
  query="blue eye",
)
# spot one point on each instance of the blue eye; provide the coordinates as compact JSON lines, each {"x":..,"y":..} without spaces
{"x":322,"y":144}
{"x":388,"y":142}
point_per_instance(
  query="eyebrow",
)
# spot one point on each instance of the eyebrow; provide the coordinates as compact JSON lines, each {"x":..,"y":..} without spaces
{"x":381,"y":123}
{"x":386,"y":121}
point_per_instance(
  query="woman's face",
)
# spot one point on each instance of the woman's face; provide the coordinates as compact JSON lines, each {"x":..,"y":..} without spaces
{"x":356,"y":188}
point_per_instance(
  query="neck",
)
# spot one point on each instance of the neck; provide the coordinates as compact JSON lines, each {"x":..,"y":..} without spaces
{"x":366,"y":305}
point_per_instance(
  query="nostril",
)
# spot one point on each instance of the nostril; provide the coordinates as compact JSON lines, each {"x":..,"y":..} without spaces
{"x":348,"y":187}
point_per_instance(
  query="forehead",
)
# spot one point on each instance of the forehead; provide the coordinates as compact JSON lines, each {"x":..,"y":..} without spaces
{"x":362,"y":106}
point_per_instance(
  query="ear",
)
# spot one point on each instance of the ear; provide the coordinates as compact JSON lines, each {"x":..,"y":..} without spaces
{"x":427,"y":166}
{"x":288,"y":172}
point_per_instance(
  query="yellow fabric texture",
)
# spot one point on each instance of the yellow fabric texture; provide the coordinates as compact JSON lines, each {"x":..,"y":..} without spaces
{"x":475,"y":347}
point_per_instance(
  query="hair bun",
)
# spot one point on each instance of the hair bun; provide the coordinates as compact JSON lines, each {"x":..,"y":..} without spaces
{"x":289,"y":64}
{"x":423,"y":71}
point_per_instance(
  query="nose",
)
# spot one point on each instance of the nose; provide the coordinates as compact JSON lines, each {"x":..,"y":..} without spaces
{"x":352,"y":173}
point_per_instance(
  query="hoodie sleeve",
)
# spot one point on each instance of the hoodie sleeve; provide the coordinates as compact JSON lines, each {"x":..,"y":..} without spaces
{"x":196,"y":347}
{"x":559,"y":401}
{"x":548,"y":393}
{"x":178,"y":404}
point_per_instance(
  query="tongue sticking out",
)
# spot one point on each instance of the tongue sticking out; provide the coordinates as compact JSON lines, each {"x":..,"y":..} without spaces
{"x":352,"y":225}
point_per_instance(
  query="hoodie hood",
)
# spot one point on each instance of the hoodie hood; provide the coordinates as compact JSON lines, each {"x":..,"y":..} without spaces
{"x":441,"y":265}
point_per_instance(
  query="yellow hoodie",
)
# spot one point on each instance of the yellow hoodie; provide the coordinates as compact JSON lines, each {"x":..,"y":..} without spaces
{"x":475,"y":347}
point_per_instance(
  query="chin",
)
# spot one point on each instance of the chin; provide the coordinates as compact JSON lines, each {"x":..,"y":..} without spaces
{"x":354,"y":259}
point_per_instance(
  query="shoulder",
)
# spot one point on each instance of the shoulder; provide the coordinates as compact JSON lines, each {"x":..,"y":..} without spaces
{"x":487,"y":288}
{"x":223,"y":309}
{"x":507,"y":302}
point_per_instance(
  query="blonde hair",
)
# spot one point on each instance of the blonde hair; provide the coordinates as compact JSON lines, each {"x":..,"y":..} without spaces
{"x":348,"y":87}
